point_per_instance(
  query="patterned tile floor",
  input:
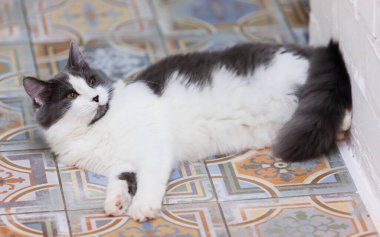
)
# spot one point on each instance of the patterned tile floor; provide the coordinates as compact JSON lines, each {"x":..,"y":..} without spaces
{"x":250,"y":193}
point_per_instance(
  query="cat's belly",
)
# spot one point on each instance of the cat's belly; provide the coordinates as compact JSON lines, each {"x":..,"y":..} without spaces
{"x":218,"y":137}
{"x":225,"y":130}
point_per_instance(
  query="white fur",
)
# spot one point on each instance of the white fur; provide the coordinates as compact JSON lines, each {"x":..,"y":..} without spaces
{"x":149,"y":134}
{"x":118,"y":198}
{"x":345,"y":126}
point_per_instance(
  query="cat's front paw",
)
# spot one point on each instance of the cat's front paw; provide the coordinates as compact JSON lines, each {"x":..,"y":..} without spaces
{"x":116,"y":204}
{"x":144,"y":210}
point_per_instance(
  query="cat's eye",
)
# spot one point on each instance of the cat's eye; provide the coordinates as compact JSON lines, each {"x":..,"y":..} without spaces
{"x":72,"y":95}
{"x":92,"y":81}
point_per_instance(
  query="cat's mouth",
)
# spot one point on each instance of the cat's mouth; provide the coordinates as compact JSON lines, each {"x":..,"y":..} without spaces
{"x":100,"y":112}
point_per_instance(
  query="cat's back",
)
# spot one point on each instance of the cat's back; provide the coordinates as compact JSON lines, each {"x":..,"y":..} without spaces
{"x":232,"y":77}
{"x":197,"y":69}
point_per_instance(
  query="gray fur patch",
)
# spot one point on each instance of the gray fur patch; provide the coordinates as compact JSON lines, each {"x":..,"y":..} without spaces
{"x":198,"y":67}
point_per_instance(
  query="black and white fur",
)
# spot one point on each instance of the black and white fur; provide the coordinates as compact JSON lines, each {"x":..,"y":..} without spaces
{"x":189,"y":107}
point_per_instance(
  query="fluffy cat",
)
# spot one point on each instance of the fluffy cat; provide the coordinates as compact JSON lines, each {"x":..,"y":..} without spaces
{"x":188,"y":107}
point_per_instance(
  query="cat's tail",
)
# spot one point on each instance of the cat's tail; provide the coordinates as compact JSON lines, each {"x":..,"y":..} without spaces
{"x":324,"y":110}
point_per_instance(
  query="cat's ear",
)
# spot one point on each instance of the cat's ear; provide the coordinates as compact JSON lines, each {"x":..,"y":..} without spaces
{"x":76,"y":59}
{"x":38,"y":90}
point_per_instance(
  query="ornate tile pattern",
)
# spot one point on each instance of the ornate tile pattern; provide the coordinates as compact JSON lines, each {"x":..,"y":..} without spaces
{"x":85,"y":20}
{"x":189,"y":183}
{"x":48,"y":224}
{"x":122,"y":37}
{"x":118,"y":36}
{"x":17,"y":125}
{"x":12,"y":24}
{"x":222,"y":39}
{"x":118,"y":57}
{"x":175,"y":221}
{"x":297,"y":15}
{"x":16,"y":120}
{"x":83,"y":189}
{"x":327,"y":215}
{"x":257,"y":174}
{"x":203,"y":16}
{"x":124,"y":56}
{"x":28,"y":182}
{"x":209,"y":25}
{"x":16,"y":60}
{"x":296,"y":12}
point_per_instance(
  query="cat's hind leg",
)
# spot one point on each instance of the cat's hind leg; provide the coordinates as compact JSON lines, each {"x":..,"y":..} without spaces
{"x":120,"y":190}
{"x":345,"y":126}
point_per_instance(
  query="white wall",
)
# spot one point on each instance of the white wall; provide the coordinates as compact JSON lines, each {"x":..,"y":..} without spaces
{"x":356,"y":25}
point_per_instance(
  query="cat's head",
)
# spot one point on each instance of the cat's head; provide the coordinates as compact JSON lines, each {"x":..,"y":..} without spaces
{"x":78,"y":93}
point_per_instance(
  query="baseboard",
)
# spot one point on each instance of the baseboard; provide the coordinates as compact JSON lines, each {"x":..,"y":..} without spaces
{"x":364,"y":187}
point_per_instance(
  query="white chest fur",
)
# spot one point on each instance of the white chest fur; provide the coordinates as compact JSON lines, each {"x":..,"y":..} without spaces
{"x":113,"y":139}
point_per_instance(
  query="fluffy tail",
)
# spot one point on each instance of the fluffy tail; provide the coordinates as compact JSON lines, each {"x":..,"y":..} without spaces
{"x":323,"y":102}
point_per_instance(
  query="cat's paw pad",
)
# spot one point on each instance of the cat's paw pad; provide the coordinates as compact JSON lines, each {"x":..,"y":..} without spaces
{"x":115,"y":205}
{"x":144,"y":211}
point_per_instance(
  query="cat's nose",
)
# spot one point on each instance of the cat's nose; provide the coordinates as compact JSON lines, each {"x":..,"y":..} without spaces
{"x":96,"y":98}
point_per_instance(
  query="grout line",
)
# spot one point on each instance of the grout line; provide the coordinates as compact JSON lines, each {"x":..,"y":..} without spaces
{"x":287,"y":197}
{"x":34,"y":58}
{"x":160,"y":32}
{"x":26,"y":148}
{"x":28,"y":29}
{"x":62,"y":194}
{"x":217,"y":200}
{"x":224,"y":219}
{"x":30,"y":213}
{"x":253,"y":199}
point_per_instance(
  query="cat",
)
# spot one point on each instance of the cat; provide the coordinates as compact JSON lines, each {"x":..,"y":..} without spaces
{"x":189,"y":107}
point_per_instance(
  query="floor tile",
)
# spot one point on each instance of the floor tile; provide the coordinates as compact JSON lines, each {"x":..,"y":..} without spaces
{"x":208,"y":42}
{"x":120,"y":37}
{"x":258,"y":194}
{"x":12,"y":23}
{"x":327,"y":215}
{"x":225,"y":38}
{"x":118,"y":58}
{"x":196,"y":17}
{"x":18,"y":128}
{"x":189,"y":183}
{"x":29,"y":182}
{"x":176,"y":221}
{"x":84,"y":20}
{"x":301,"y":34}
{"x":125,"y":56}
{"x":47,"y":224}
{"x":296,"y":12}
{"x":17,"y":124}
{"x":257,"y":174}
{"x":16,"y":61}
{"x":83,"y":189}
{"x":215,"y":24}
{"x":297,"y":15}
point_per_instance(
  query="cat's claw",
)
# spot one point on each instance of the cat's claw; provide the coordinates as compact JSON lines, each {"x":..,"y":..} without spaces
{"x":143,"y":211}
{"x":116,"y":205}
